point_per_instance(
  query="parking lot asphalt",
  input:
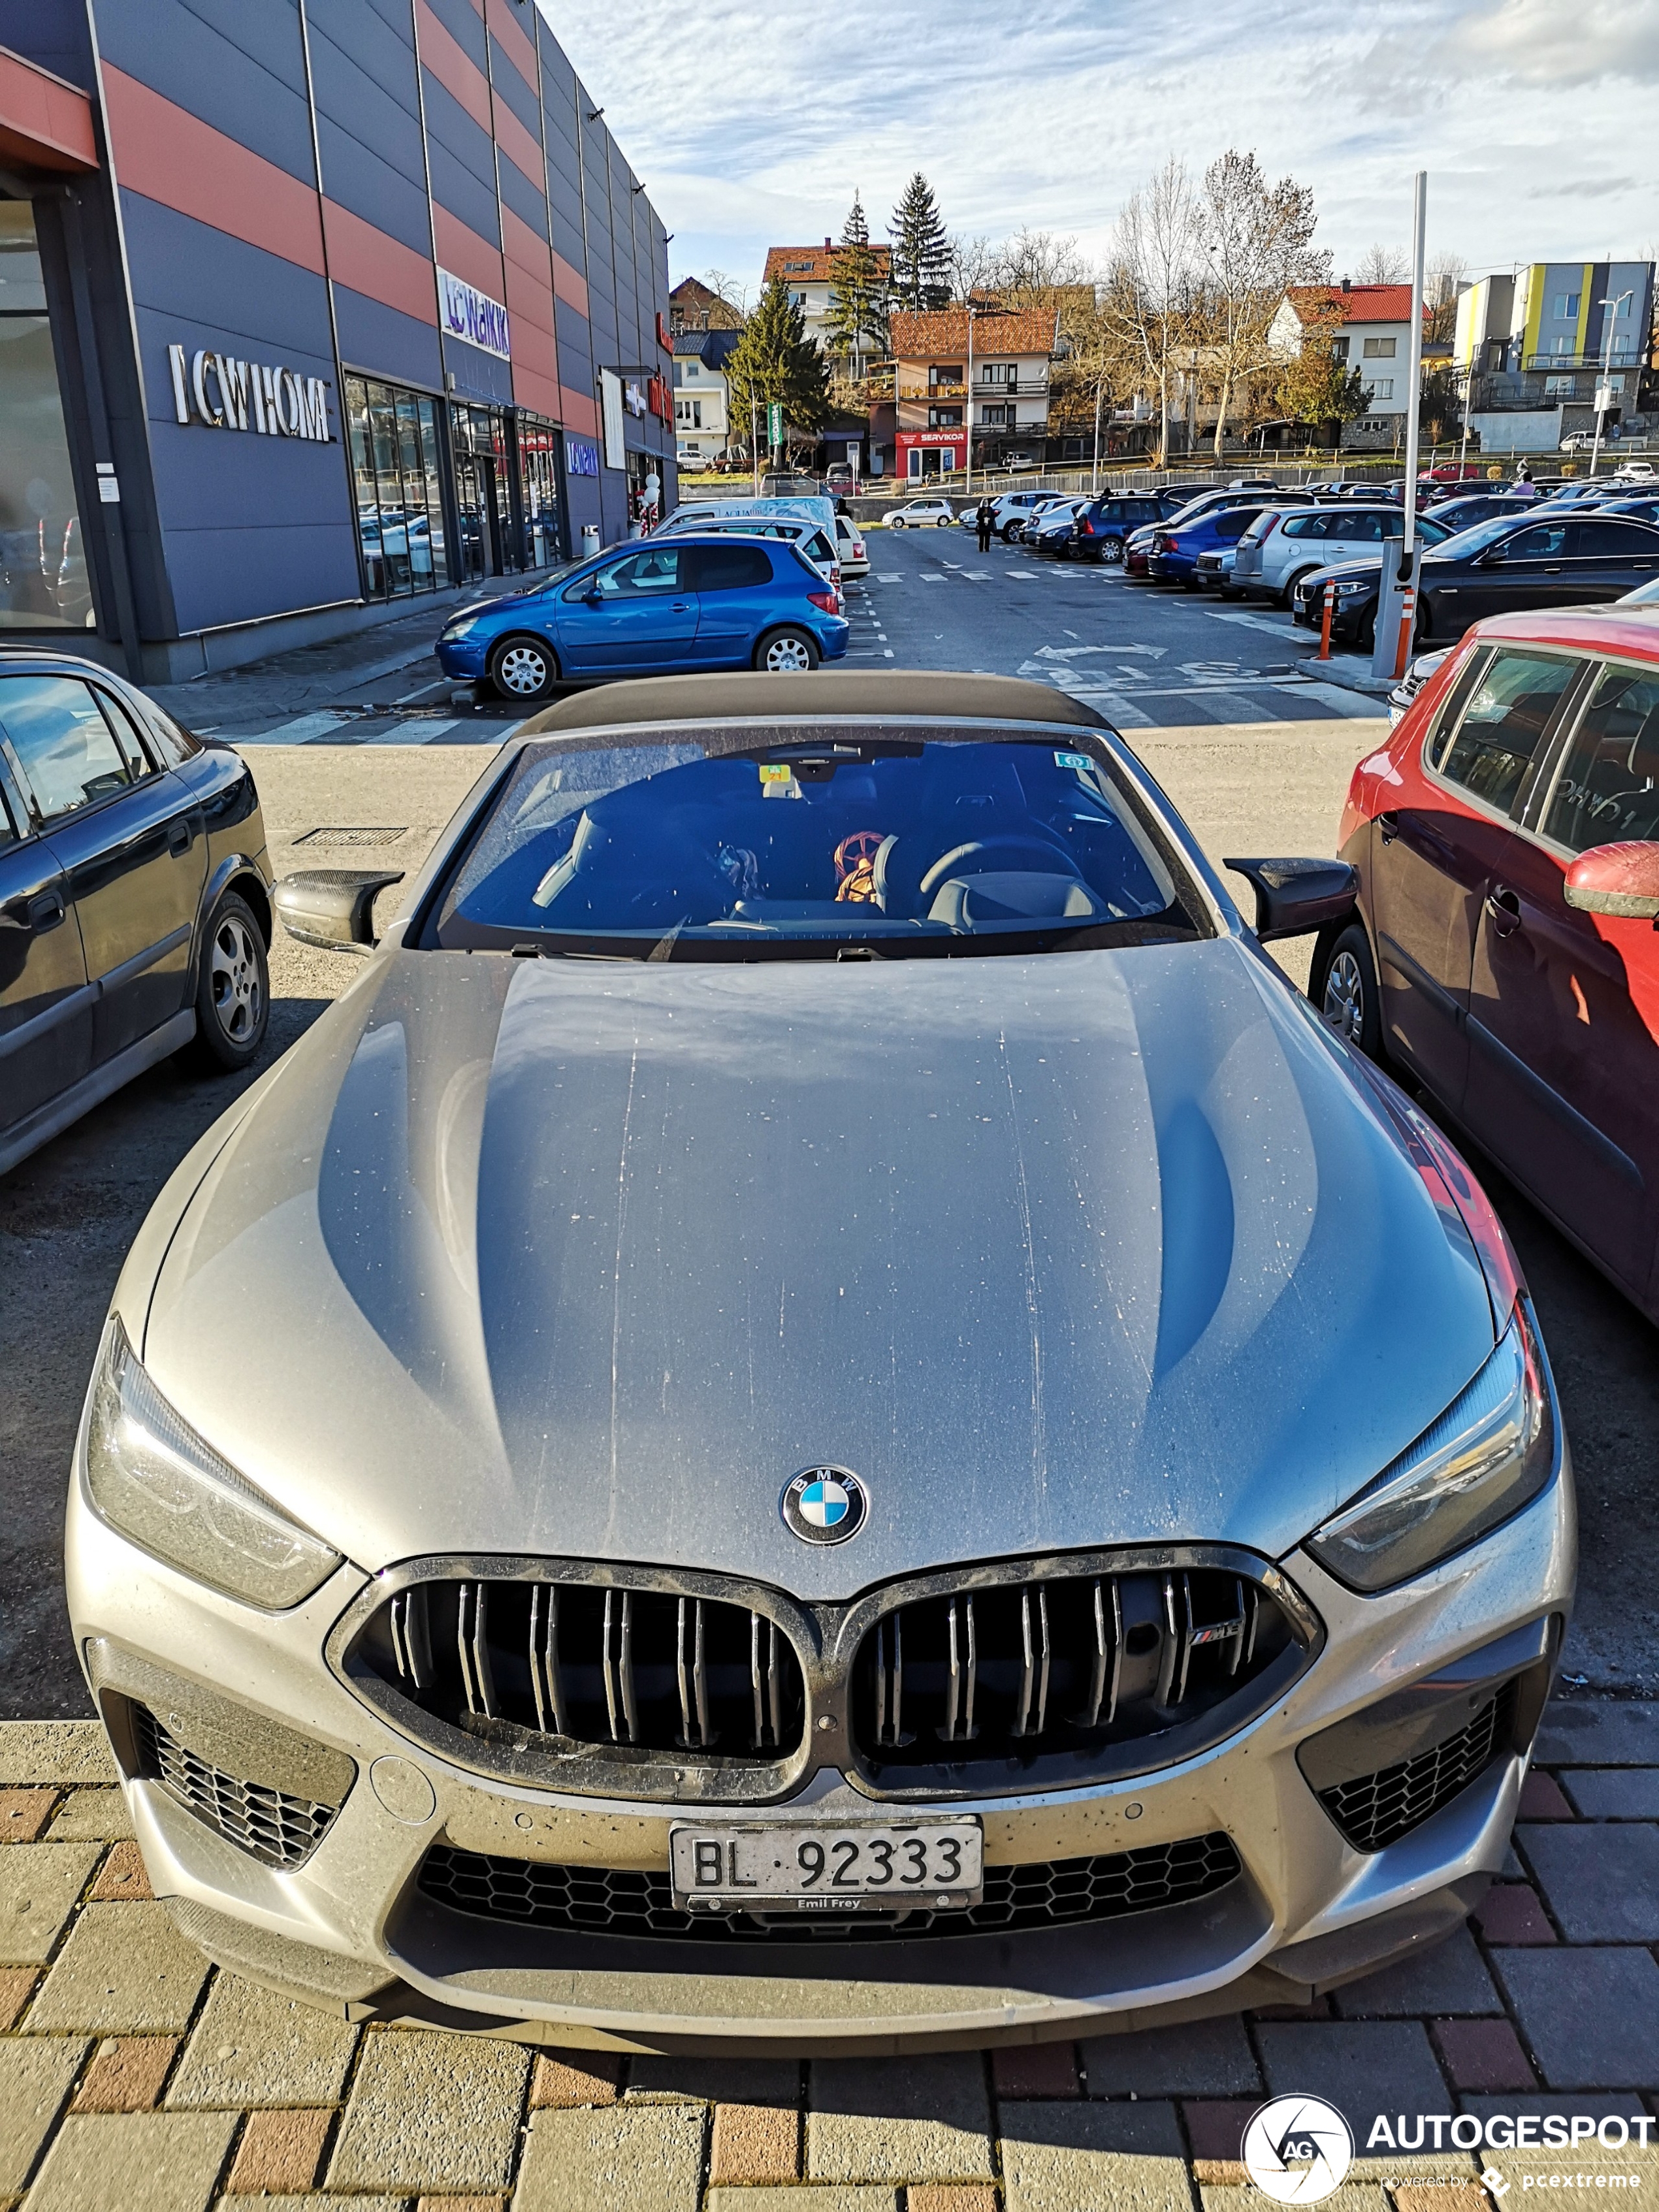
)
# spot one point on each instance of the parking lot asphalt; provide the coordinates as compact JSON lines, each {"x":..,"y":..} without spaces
{"x":1147,"y":656}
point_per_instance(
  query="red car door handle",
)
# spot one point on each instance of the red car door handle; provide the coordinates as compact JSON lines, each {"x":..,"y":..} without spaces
{"x":1389,"y":826}
{"x":1505,"y":908}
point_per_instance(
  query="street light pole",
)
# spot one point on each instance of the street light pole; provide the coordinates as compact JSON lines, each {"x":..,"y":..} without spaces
{"x":1414,"y":391}
{"x":968,"y":412}
{"x":1612,"y":307}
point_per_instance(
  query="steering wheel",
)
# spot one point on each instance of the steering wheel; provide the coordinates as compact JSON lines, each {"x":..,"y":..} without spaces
{"x":983,"y":853}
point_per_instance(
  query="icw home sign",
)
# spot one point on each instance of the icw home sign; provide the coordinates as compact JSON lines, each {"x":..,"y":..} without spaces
{"x":227,"y":394}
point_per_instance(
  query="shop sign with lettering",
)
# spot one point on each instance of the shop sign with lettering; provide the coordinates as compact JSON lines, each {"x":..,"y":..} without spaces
{"x":582,"y":456}
{"x":227,"y":394}
{"x":473,"y":315}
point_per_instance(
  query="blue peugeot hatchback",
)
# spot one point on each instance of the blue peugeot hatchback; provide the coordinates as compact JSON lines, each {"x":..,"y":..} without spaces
{"x":667,"y":605}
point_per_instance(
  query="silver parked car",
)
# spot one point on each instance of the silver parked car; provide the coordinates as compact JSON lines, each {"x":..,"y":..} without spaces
{"x":863,"y":1429}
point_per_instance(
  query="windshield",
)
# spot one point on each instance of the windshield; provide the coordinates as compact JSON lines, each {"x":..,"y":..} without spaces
{"x":1479,"y":535}
{"x":814,"y":841}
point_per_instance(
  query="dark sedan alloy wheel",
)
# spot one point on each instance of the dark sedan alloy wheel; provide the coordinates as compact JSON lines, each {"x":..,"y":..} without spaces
{"x":232,"y":993}
{"x":1343,"y":986}
{"x":1111,"y":552}
{"x":519,"y":668}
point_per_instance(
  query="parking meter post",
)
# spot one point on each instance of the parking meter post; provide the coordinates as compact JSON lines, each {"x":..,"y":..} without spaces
{"x":1325,"y":626}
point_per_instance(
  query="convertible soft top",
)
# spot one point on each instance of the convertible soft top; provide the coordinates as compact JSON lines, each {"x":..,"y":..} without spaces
{"x":878,"y":693}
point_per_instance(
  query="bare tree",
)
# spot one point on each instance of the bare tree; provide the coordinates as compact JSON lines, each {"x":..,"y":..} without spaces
{"x":1034,"y":265}
{"x":1255,"y":239}
{"x":974,"y":265}
{"x":1150,"y":292}
{"x":1445,"y":275}
{"x":1383,"y":265}
{"x":735,"y":295}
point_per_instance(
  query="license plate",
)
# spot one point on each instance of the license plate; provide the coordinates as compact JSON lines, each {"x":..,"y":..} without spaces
{"x":798,"y":1866}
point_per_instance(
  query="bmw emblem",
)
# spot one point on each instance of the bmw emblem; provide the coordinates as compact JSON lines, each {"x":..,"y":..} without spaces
{"x":825,"y":1505}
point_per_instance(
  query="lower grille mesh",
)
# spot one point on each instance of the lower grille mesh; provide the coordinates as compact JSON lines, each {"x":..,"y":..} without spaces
{"x":280,"y":1830}
{"x":626,"y":1901}
{"x":1375,"y":1810}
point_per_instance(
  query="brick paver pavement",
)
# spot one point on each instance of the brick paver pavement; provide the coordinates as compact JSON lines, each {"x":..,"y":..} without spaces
{"x":134,"y":2076}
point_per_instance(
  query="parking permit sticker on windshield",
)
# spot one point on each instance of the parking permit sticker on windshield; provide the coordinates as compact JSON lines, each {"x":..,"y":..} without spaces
{"x":1080,"y":762}
{"x":778,"y":781}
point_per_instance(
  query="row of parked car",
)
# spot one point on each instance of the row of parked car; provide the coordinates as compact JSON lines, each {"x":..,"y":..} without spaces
{"x":1489,"y":549}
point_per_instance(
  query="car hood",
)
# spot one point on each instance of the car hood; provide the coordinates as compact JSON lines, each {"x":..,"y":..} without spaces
{"x":587,"y":1260}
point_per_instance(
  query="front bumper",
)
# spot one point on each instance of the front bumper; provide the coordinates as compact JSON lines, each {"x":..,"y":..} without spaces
{"x":466,"y":656}
{"x":349,"y":1928}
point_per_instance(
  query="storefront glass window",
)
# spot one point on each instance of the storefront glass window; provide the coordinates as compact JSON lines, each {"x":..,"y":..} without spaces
{"x":394,"y":469}
{"x":478,"y":440}
{"x":43,"y":563}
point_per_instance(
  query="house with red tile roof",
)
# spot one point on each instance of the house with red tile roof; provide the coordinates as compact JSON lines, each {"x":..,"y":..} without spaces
{"x":1371,"y":328}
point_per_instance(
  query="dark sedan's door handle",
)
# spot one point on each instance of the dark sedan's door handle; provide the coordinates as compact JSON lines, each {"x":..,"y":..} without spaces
{"x":1551,"y":568}
{"x":680,"y":607}
{"x":1505,"y":908}
{"x":1389,"y":826}
{"x":45,"y":910}
{"x":180,"y":835}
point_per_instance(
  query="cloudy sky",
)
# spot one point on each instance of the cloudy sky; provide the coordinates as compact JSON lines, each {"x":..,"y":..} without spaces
{"x":751,"y":127}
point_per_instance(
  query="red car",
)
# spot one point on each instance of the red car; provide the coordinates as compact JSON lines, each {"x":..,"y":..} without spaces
{"x":1506,"y":952}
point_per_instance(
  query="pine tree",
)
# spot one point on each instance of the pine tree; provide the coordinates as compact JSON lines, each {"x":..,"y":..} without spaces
{"x":922,"y":251}
{"x":775,"y":359}
{"x":857,"y":321}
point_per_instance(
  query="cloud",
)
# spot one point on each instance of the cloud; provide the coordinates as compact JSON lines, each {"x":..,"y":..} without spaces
{"x":757,"y":132}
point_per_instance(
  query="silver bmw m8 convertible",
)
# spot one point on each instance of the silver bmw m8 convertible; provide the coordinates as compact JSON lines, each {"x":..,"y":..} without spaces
{"x":821,"y":1415}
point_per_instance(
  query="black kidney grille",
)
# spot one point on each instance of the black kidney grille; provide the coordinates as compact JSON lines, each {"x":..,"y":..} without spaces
{"x":1375,"y":1810}
{"x":625,"y":1901}
{"x":594,"y":1666}
{"x":282,"y":1830}
{"x":1011,"y":1674}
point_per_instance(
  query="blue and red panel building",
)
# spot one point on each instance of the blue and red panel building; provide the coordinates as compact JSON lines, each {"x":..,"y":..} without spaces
{"x":306,"y":309}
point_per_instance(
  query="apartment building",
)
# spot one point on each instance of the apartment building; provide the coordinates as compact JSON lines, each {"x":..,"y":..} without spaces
{"x":986,"y":371}
{"x":1535,"y":342}
{"x":703,"y":424}
{"x":809,"y":271}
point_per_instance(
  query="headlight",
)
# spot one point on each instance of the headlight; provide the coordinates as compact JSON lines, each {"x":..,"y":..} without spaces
{"x":1490,"y":1453}
{"x":1349,"y":591}
{"x":460,"y":628}
{"x":153,"y":1478}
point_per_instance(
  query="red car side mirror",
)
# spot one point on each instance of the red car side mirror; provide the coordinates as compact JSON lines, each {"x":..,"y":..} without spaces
{"x":1620,"y":879}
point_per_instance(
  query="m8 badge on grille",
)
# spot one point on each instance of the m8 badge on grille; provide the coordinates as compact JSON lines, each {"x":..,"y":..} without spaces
{"x":824,"y":1506}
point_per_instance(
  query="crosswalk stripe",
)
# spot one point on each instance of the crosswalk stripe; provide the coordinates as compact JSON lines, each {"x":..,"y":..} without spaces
{"x":300,"y":732}
{"x":410,"y":732}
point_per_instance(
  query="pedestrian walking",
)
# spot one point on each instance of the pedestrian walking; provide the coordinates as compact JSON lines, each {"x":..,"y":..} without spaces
{"x":1524,"y":488}
{"x":985,"y":518}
